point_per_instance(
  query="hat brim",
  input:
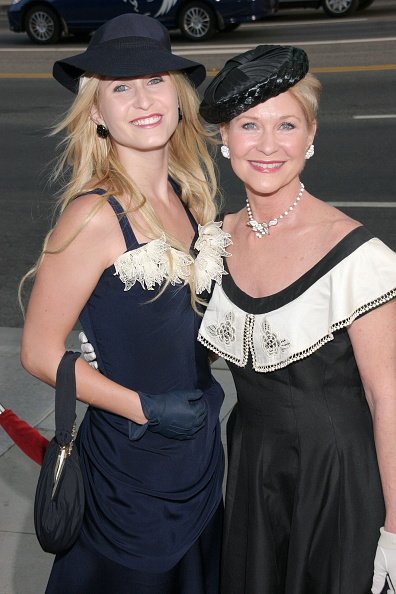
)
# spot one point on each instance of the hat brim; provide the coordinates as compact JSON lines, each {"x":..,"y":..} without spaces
{"x":128,"y":63}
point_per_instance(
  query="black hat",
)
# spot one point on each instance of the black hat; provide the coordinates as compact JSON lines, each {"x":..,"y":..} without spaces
{"x":128,"y":45}
{"x":252,"y":78}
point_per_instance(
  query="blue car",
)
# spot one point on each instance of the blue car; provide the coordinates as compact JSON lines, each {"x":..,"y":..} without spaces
{"x":45,"y":21}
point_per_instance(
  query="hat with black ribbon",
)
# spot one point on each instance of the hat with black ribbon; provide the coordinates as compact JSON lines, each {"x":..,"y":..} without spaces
{"x":130,"y":45}
{"x":251,"y":78}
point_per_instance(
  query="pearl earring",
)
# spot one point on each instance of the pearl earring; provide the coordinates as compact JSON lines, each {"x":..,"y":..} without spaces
{"x":225,"y":151}
{"x":310,"y":152}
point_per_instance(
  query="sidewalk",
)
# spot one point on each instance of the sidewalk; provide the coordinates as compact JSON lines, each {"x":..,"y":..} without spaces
{"x":24,"y":566}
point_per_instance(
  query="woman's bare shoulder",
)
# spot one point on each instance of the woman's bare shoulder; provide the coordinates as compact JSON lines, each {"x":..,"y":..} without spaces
{"x":330,"y":221}
{"x":88,"y":220}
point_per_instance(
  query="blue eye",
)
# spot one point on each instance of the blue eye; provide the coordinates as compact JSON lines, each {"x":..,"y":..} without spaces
{"x":287,"y":126}
{"x":249,"y":126}
{"x":120,"y":88}
{"x":155,"y":81}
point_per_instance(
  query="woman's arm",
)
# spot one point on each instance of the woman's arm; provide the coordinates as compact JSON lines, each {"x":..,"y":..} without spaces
{"x":63,"y":284}
{"x":373,"y":338}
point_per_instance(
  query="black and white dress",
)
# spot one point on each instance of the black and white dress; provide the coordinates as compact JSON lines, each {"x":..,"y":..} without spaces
{"x":304,"y":503}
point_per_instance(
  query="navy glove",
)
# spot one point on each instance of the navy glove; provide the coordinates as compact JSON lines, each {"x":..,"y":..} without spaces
{"x":178,"y":414}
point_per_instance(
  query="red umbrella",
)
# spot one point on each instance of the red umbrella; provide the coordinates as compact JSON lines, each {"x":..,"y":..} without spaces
{"x":28,"y":439}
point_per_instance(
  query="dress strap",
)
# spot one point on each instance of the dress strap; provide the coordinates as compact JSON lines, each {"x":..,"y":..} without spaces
{"x":177,"y":191}
{"x":127,"y":231}
{"x":130,"y":240}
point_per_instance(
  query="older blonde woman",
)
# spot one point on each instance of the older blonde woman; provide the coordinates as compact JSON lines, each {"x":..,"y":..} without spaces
{"x":306,"y":320}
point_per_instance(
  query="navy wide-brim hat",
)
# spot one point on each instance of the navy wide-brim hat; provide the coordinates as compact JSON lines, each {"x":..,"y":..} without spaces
{"x":127,"y":46}
{"x":251,"y":78}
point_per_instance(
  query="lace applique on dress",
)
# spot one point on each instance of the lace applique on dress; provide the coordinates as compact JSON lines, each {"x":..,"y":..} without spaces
{"x":149,"y":265}
{"x":209,"y":266}
{"x":153,"y":263}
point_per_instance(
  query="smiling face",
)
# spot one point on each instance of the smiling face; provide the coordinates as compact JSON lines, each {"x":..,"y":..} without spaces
{"x":268,"y":143}
{"x":140,"y":113}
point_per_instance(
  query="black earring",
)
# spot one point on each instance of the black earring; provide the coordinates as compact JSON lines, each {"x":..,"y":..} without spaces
{"x":102,"y":131}
{"x":180,"y":114}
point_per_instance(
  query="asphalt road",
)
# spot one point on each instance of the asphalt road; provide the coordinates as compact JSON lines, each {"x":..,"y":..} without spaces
{"x":355,"y":155}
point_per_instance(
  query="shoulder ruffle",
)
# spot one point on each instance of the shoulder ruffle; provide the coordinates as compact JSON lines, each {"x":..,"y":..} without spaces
{"x":150,"y":265}
{"x":211,"y":244}
{"x":153,"y":263}
{"x":361,"y":282}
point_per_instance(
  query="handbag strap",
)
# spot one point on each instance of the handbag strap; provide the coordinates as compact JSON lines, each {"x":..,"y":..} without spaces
{"x":65,"y":398}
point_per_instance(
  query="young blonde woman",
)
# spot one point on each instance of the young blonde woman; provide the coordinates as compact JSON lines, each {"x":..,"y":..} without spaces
{"x":307,"y":322}
{"x":133,"y":255}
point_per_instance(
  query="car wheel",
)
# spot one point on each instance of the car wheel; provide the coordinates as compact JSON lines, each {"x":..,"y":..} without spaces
{"x":339,"y":8}
{"x":232,"y":27}
{"x":43,"y":25}
{"x":364,"y":4}
{"x":197,"y":21}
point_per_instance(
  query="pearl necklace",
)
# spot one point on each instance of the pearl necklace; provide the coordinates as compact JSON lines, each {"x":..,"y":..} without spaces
{"x":261,"y":229}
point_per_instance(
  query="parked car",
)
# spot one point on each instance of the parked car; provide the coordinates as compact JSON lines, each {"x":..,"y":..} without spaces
{"x":45,"y":21}
{"x":333,"y":8}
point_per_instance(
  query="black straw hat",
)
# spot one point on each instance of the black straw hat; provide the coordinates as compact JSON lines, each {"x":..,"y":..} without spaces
{"x":251,"y":78}
{"x":128,"y":45}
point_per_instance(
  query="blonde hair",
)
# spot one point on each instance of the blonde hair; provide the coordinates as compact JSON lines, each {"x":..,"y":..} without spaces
{"x":307,"y":92}
{"x":86,"y":156}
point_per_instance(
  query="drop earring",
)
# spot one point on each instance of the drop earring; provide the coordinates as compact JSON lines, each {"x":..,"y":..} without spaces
{"x":310,"y":152}
{"x":179,"y":111}
{"x":102,"y":131}
{"x":225,"y":151}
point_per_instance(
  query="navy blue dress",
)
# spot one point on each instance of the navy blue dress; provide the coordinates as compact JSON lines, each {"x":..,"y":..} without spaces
{"x":153,"y":506}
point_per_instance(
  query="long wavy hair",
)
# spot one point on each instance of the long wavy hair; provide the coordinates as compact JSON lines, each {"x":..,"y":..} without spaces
{"x":84,"y":156}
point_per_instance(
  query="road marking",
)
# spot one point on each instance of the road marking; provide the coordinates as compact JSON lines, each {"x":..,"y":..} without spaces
{"x":213,"y":71}
{"x":375,"y":117}
{"x":210,"y":49}
{"x":364,"y":204}
{"x":25,"y":75}
{"x":270,"y":24}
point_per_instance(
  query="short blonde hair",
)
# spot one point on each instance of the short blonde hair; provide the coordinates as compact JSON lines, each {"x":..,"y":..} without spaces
{"x":307,"y":92}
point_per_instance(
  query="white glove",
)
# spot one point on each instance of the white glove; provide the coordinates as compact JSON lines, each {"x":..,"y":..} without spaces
{"x":385,"y":563}
{"x":87,"y":350}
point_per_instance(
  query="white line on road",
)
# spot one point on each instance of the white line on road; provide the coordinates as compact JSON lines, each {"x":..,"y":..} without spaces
{"x":270,"y":24}
{"x":387,"y":116}
{"x":211,"y":49}
{"x":364,"y":204}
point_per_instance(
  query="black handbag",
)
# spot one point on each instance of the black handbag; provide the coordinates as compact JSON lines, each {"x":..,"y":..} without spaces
{"x":59,"y":500}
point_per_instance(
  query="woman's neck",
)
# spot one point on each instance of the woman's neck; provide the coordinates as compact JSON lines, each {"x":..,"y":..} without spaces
{"x":148,"y":170}
{"x":265,"y":207}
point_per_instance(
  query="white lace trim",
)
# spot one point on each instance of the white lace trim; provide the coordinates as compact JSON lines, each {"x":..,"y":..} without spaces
{"x":149,"y":265}
{"x":153,"y":263}
{"x":248,"y":345}
{"x":337,"y":326}
{"x":363,"y":281}
{"x":211,"y":244}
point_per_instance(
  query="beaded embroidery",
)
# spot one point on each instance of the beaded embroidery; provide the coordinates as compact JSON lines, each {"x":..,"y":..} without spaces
{"x":152,"y":263}
{"x":225,"y":331}
{"x":270,"y":341}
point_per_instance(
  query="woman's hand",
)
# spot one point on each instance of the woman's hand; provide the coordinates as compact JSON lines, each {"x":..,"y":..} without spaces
{"x":385,"y":563}
{"x":87,"y":350}
{"x":178,"y":414}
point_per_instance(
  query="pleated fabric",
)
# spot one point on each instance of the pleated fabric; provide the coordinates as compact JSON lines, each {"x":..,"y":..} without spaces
{"x":304,"y":501}
{"x":83,"y":571}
